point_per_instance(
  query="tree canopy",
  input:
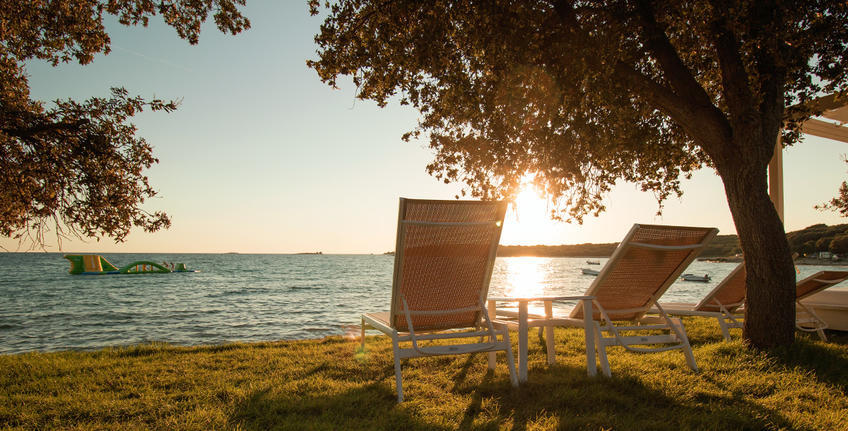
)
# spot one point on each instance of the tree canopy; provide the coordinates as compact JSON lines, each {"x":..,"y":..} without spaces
{"x":78,"y":167}
{"x":583,"y":94}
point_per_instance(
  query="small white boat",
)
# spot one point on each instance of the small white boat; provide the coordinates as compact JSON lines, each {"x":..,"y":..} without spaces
{"x":593,"y":262}
{"x":587,"y":271}
{"x":692,"y":277}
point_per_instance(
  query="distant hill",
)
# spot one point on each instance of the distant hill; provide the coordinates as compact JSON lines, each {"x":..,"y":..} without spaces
{"x":809,"y":240}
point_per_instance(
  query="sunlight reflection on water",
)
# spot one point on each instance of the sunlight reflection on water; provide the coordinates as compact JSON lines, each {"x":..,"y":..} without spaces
{"x":246,"y":297}
{"x":525,"y":276}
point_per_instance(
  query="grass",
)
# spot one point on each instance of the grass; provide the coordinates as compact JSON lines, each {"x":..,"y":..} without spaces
{"x":329,"y":384}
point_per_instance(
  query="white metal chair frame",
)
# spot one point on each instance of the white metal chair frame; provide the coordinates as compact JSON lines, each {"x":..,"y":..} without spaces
{"x":484,"y":327}
{"x":811,"y":322}
{"x":677,"y":333}
{"x":727,"y":316}
{"x":525,"y":321}
{"x":808,"y":321}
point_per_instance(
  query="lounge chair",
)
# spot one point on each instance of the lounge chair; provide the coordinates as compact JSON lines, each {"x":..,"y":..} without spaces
{"x":444,"y":256}
{"x":805,"y":318}
{"x":643,"y":266}
{"x":725,"y":302}
{"x":721,"y":303}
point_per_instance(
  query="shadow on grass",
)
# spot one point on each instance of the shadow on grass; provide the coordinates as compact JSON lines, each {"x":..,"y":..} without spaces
{"x":555,"y":397}
{"x":821,"y":359}
{"x":372,"y":406}
{"x":564,"y":397}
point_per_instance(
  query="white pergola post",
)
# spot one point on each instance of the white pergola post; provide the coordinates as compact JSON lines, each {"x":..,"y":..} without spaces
{"x":832,"y":109}
{"x":775,"y":176}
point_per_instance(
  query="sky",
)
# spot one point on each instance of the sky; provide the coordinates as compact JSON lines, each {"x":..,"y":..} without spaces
{"x":261,"y":157}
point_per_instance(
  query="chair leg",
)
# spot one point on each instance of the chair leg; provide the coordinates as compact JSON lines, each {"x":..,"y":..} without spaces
{"x":549,"y":344}
{"x":602,"y":350}
{"x":684,"y":342}
{"x":362,"y":332}
{"x":510,"y":361}
{"x":549,"y":333}
{"x":724,"y":330}
{"x":492,"y":310}
{"x":820,"y":331}
{"x":398,"y":381}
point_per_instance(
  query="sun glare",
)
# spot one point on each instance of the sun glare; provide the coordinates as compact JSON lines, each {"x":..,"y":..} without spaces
{"x":528,"y":220}
{"x":525,"y":277}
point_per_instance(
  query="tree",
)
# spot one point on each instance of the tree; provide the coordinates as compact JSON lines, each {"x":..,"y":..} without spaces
{"x":581,"y":94}
{"x":839,"y":245}
{"x":840,"y":202}
{"x":808,"y":247}
{"x":823,"y":243}
{"x":78,"y":166}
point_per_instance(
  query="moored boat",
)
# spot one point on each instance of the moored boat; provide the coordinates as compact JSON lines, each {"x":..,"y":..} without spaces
{"x":692,"y":277}
{"x":587,"y":271}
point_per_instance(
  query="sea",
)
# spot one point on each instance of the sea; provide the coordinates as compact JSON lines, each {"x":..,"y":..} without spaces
{"x":246,"y":297}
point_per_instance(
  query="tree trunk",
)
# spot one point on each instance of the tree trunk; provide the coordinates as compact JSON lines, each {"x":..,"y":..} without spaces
{"x":770,"y":301}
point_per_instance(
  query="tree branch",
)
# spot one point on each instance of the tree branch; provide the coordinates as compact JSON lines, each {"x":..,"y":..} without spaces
{"x":26,"y":132}
{"x":734,"y":77}
{"x":674,"y":70}
{"x":696,"y":120}
{"x":686,"y":103}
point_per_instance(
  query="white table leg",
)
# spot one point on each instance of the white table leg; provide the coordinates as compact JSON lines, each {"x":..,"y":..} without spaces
{"x":492,"y":315}
{"x":549,"y":333}
{"x":522,"y":341}
{"x":589,"y":331}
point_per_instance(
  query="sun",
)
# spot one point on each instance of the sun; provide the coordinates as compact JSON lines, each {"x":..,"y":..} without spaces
{"x":528,"y":221}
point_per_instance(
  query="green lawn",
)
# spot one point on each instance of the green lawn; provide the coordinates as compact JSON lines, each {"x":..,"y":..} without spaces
{"x":327,"y":384}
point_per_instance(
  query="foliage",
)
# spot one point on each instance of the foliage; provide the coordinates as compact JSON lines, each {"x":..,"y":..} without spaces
{"x":839,"y":244}
{"x":819,"y":237}
{"x":330,"y":384}
{"x":822,"y":244}
{"x":840,"y":202}
{"x":78,"y":166}
{"x":580,"y":95}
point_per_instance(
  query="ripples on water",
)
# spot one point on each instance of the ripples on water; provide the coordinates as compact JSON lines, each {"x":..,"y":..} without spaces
{"x":241,"y":297}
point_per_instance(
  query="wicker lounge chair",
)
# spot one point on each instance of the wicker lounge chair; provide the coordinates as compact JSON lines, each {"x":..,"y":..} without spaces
{"x":725,"y":302}
{"x":643,"y":266}
{"x":444,"y":257}
{"x":805,"y":318}
{"x":721,"y":303}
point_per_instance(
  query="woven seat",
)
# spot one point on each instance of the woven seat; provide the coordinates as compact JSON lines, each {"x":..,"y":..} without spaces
{"x":643,"y":266}
{"x":725,"y":301}
{"x":444,"y":257}
{"x":805,"y":318}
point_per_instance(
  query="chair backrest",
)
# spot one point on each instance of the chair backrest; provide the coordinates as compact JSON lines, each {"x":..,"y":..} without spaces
{"x":730,"y":293}
{"x":646,"y":262}
{"x":818,"y":282}
{"x":444,"y":257}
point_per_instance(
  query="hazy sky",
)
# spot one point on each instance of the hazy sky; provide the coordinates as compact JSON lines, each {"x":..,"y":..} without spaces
{"x":262,"y":157}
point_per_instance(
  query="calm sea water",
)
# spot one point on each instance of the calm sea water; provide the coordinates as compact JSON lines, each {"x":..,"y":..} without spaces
{"x":241,"y":297}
